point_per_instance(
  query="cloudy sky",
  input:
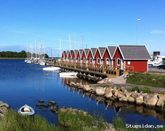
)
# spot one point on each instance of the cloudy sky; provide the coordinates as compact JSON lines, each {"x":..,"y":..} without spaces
{"x":81,"y":23}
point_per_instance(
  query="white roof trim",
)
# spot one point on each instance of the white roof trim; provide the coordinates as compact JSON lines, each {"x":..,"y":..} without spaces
{"x":121,"y":53}
{"x":109,"y":53}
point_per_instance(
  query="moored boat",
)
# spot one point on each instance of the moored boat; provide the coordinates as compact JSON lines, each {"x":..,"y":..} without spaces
{"x":51,"y":68}
{"x":68,"y":74}
{"x":26,"y":110}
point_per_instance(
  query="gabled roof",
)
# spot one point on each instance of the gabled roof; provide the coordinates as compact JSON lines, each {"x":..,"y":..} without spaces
{"x":80,"y":52}
{"x":134,"y":52}
{"x":67,"y":53}
{"x":101,"y":51}
{"x":63,"y":54}
{"x":86,"y":52}
{"x":75,"y":53}
{"x":72,"y":53}
{"x":93,"y":51}
{"x":111,"y":50}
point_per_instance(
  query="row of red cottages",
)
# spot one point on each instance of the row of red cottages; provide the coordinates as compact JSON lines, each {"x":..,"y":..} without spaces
{"x":122,"y":56}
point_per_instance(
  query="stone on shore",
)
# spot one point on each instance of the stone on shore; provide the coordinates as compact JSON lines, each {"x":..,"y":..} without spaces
{"x":100,"y":91}
{"x":3,"y":108}
{"x":151,"y":100}
{"x":3,"y":104}
{"x":161,"y":101}
{"x":139,"y":99}
{"x":131,"y":99}
{"x":73,"y":84}
{"x":87,"y":88}
{"x":108,"y":92}
{"x":123,"y":98}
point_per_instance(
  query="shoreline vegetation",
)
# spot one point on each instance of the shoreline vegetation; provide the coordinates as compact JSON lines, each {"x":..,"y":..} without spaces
{"x":18,"y":55}
{"x":69,"y":119}
{"x":13,"y":54}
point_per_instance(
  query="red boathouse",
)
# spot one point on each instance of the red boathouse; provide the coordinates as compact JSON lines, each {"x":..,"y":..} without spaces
{"x":132,"y":58}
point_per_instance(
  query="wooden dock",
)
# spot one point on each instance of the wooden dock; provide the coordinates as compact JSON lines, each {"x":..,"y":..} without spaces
{"x":88,"y":71}
{"x":84,"y":70}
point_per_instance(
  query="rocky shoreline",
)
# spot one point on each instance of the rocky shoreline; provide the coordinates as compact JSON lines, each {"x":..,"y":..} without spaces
{"x":114,"y":93}
{"x":3,"y":108}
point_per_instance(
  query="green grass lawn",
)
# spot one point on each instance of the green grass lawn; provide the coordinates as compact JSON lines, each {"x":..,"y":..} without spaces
{"x":154,"y":80}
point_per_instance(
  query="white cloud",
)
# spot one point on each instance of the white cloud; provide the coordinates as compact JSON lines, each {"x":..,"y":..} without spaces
{"x":157,"y":32}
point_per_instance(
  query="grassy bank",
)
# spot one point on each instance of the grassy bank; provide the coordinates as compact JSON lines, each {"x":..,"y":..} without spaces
{"x":81,"y":121}
{"x":154,"y":80}
{"x":15,"y":122}
{"x":69,"y":120}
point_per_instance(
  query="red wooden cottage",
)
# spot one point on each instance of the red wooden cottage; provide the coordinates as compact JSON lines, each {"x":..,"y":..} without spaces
{"x":103,"y":51}
{"x":131,"y":57}
{"x":68,"y":56}
{"x":98,"y":55}
{"x":79,"y":56}
{"x":108,"y":54}
{"x":75,"y":56}
{"x":63,"y":55}
{"x":84,"y":56}
{"x":72,"y":56}
{"x":90,"y":56}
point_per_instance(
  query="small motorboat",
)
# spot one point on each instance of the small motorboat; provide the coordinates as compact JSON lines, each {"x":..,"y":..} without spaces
{"x":26,"y":110}
{"x":51,"y":68}
{"x":42,"y":63}
{"x":68,"y":74}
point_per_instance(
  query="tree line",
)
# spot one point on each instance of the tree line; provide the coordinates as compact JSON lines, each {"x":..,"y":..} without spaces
{"x":13,"y":54}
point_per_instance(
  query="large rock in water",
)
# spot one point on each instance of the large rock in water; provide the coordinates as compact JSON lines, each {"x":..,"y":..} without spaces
{"x":151,"y":100}
{"x":100,"y":91}
{"x":161,"y":100}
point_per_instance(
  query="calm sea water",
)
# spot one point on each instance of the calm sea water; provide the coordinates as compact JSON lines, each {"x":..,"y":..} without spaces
{"x":22,"y":83}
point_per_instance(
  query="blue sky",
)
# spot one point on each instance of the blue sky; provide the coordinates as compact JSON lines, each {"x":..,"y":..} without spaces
{"x":88,"y":23}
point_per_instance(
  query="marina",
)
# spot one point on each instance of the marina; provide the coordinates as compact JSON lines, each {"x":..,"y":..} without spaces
{"x":82,"y":65}
{"x":43,"y":85}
